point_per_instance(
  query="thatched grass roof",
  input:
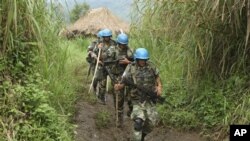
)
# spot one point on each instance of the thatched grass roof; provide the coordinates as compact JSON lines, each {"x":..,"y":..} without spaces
{"x":97,"y":19}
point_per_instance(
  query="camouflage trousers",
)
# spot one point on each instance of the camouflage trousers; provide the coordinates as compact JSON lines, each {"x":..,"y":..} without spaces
{"x":147,"y":112}
{"x":129,"y":100}
{"x":100,"y":81}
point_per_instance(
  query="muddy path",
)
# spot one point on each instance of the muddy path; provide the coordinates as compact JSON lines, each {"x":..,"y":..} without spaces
{"x":87,"y":109}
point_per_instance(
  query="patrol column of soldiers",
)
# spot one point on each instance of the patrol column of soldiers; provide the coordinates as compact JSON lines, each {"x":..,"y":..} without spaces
{"x":124,"y":55}
{"x":140,"y":72}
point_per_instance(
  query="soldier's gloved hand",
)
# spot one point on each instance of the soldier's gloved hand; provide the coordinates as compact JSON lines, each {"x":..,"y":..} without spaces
{"x":100,"y":62}
{"x":118,"y":86}
{"x":158,"y":90}
{"x":100,"y":45}
{"x":92,"y":54}
{"x":124,"y":61}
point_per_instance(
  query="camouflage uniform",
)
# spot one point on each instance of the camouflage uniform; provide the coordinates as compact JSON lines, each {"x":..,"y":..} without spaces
{"x":91,"y":47}
{"x":117,"y":71}
{"x":107,"y":54}
{"x":143,"y":107}
{"x":89,"y":58}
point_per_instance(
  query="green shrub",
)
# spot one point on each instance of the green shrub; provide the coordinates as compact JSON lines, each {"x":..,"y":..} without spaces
{"x":102,"y":119}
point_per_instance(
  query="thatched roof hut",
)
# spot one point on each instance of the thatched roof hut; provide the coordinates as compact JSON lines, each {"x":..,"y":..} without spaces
{"x":95,"y":20}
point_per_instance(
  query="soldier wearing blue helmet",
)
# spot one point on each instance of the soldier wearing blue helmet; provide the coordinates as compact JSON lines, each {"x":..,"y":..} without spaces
{"x":91,"y":57}
{"x":143,"y":76}
{"x":107,"y":46}
{"x":123,"y":57}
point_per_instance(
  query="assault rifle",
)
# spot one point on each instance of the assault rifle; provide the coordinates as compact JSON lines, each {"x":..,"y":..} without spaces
{"x":117,"y":60}
{"x":111,"y":76}
{"x":112,"y":62}
{"x":147,"y":92}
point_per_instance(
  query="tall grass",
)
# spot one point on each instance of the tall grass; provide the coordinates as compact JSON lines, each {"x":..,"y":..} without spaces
{"x":67,"y":74}
{"x":37,"y":80}
{"x":201,"y":48}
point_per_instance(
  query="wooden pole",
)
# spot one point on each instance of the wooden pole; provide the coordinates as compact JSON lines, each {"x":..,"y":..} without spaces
{"x":96,"y":66}
{"x":116,"y":106}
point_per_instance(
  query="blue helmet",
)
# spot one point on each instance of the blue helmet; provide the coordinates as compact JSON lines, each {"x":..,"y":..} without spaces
{"x":106,"y":33}
{"x":99,"y":34}
{"x":122,"y":39}
{"x":141,"y":53}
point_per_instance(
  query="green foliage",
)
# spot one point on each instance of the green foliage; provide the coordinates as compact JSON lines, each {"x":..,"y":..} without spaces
{"x":78,"y":11}
{"x":37,"y":80}
{"x":178,"y":118}
{"x":200,"y":48}
{"x":102,"y":119}
{"x":91,"y":98}
{"x":27,"y":115}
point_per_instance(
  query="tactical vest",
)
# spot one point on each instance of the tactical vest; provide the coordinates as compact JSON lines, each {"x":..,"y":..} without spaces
{"x":120,"y":54}
{"x":143,"y":76}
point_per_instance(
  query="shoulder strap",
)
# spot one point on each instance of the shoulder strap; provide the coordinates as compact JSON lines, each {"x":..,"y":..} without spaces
{"x":151,"y":66}
{"x":133,"y":70}
{"x":129,"y":52}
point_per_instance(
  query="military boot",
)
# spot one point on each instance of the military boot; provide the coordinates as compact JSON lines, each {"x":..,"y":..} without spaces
{"x":143,"y":136}
{"x":101,"y":99}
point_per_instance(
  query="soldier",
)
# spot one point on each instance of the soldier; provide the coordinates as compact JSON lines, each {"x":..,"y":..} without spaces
{"x":91,"y":57}
{"x":93,"y":44}
{"x":124,"y":56}
{"x":144,"y":74}
{"x":107,"y":46}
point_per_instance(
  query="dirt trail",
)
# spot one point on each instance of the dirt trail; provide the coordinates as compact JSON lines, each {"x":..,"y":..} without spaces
{"x":87,"y":130}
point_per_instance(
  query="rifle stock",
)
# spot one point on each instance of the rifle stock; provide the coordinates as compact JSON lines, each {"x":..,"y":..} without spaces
{"x":111,"y":62}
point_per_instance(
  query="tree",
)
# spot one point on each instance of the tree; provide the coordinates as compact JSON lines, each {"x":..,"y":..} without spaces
{"x":78,"y":11}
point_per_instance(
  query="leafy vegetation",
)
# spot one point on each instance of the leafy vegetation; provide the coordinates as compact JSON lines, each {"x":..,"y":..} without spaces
{"x":37,"y":73}
{"x":201,"y":48}
{"x":103,"y":119}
